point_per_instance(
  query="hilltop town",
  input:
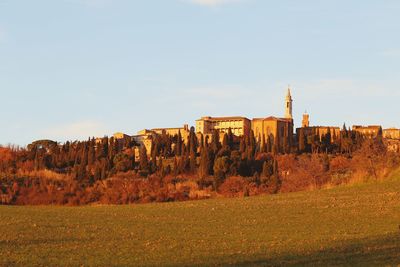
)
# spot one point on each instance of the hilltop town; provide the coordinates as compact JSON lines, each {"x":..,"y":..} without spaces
{"x":231,"y":156}
{"x":273,"y":134}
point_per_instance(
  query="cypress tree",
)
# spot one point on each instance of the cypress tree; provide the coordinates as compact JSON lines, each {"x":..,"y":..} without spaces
{"x":178,"y":147}
{"x":97,"y":172}
{"x":242,"y":145}
{"x":192,"y":160}
{"x":204,"y":163}
{"x":225,"y":142}
{"x":85,"y":155}
{"x":267,"y":170}
{"x":91,"y":153}
{"x":263,"y":147}
{"x":302,"y":141}
{"x":230,"y":138}
{"x":268,"y":147}
{"x":215,"y":144}
{"x":144,"y":163}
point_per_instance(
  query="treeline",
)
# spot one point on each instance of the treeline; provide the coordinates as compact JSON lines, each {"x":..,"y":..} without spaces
{"x":347,"y":141}
{"x":105,"y":171}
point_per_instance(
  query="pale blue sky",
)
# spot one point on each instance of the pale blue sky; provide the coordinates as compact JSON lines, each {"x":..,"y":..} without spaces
{"x":77,"y":68}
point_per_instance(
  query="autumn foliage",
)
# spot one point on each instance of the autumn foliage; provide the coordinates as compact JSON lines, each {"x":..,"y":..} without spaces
{"x":106,"y":171}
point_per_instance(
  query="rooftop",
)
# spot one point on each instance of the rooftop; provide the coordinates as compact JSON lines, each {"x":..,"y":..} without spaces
{"x":321,"y":127}
{"x":366,"y":127}
{"x":222,"y":118}
{"x":271,"y":118}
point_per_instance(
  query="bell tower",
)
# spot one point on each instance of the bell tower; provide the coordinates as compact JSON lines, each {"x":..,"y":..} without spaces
{"x":289,"y":105}
{"x":306,"y":120}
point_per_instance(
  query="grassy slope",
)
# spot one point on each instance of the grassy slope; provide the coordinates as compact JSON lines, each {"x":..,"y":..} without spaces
{"x":356,"y":225}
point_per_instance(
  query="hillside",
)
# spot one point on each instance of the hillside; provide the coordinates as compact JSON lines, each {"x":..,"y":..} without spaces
{"x":357,"y":225}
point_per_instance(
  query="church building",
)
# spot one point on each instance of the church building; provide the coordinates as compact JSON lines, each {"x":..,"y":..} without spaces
{"x":275,"y":131}
{"x":278,"y":132}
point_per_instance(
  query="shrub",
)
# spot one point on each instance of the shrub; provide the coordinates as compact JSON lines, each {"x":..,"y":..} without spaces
{"x":233,"y":187}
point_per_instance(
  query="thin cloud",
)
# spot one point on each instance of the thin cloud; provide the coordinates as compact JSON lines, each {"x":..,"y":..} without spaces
{"x":212,"y":3}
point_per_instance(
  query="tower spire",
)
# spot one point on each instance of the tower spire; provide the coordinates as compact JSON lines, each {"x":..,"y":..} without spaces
{"x":289,"y":105}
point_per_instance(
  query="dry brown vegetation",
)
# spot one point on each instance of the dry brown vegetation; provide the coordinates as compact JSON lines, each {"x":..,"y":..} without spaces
{"x":73,"y":177}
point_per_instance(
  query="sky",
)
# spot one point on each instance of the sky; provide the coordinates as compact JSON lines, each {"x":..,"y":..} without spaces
{"x":71,"y":69}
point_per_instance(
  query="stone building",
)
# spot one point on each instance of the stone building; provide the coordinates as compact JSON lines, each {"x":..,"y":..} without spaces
{"x":392,"y":139}
{"x":169,"y":131}
{"x":278,"y":131}
{"x":239,"y":125}
{"x":391,"y":133}
{"x":145,"y":137}
{"x":320,"y":131}
{"x":370,"y":131}
{"x":118,"y":136}
{"x":306,"y":132}
{"x":173,"y":131}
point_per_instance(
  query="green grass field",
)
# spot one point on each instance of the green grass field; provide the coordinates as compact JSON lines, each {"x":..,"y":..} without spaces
{"x":357,"y":225}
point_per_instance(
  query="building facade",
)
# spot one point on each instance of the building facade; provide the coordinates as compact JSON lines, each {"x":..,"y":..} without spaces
{"x":307,"y":133}
{"x":277,"y":131}
{"x":320,"y":131}
{"x":238,"y":125}
{"x":370,"y":131}
{"x":172,"y":131}
{"x":391,"y":133}
{"x":120,"y":136}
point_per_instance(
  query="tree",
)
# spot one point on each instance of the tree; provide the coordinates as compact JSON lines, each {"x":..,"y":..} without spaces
{"x":274,"y":182}
{"x":327,"y":141}
{"x":242,"y":146}
{"x":192,"y":159}
{"x":268,"y":144}
{"x":314,"y":141}
{"x":122,"y":162}
{"x":230,"y":138}
{"x":161,"y":169}
{"x":252,"y":145}
{"x":97,"y":173}
{"x":215,"y":144}
{"x":205,"y":163}
{"x":302,"y":141}
{"x":178,"y":146}
{"x":267,"y":171}
{"x":91,"y":152}
{"x":263,"y":147}
{"x":192,"y":149}
{"x":221,"y":168}
{"x":144,"y":162}
{"x":225,"y":142}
